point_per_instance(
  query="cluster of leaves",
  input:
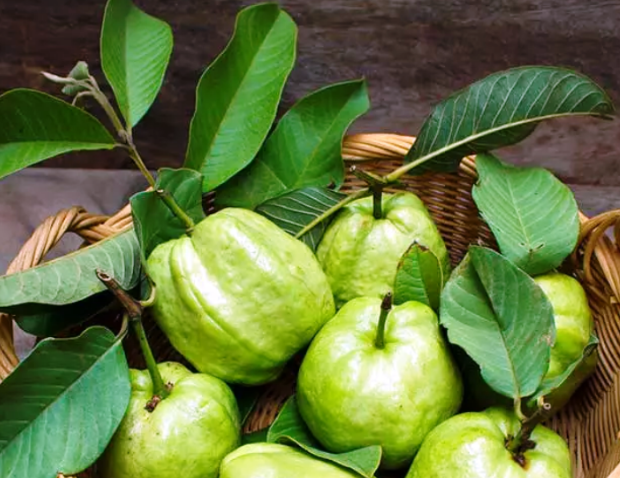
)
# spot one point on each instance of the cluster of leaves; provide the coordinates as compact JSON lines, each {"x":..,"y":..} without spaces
{"x":291,"y":174}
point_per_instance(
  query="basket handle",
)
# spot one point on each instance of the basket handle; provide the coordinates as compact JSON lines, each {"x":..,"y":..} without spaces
{"x":90,"y":227}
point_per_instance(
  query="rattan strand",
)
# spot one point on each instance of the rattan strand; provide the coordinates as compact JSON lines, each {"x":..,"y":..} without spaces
{"x":590,"y":422}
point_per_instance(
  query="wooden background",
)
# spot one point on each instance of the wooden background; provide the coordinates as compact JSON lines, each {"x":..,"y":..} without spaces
{"x":413,"y":53}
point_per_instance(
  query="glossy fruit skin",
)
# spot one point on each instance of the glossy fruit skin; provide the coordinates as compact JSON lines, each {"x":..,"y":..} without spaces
{"x":352,"y":394}
{"x":574,"y":325}
{"x":188,"y":434}
{"x":239,"y":297}
{"x":360,"y":254}
{"x":471,"y":445}
{"x":269,"y":460}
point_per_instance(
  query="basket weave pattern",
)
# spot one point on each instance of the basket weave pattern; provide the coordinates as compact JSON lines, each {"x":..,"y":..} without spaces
{"x":590,"y":422}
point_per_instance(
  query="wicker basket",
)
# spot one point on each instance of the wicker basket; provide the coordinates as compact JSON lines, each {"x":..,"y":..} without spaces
{"x":590,"y":422}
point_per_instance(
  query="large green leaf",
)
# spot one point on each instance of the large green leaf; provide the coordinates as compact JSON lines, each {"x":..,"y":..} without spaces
{"x":500,"y":110}
{"x":293,"y":211}
{"x":62,"y":404}
{"x":154,"y":221}
{"x":304,"y":150}
{"x":289,"y":428}
{"x":73,"y":277}
{"x":502,"y":319}
{"x":419,"y":277}
{"x":532,"y":214}
{"x":37,"y":126}
{"x":135,"y":50}
{"x":238,"y":95}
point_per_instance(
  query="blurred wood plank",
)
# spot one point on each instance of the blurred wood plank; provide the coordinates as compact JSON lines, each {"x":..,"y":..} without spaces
{"x":413,"y":53}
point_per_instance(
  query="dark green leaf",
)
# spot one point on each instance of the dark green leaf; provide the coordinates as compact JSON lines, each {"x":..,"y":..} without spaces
{"x":293,"y":211}
{"x":73,"y":277}
{"x":37,"y":126}
{"x":155,"y":223}
{"x":419,"y":277}
{"x":503,"y":109}
{"x":532,"y":214}
{"x":502,"y":319}
{"x":549,"y":385}
{"x":135,"y":50}
{"x":289,"y":428}
{"x":259,"y":436}
{"x":62,"y":404}
{"x":237,"y":97}
{"x":304,"y":150}
{"x":246,"y":397}
{"x":58,"y":318}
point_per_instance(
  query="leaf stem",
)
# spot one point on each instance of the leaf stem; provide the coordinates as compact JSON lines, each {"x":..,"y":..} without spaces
{"x":169,"y":201}
{"x":386,"y":306}
{"x":133,"y":312}
{"x":124,"y":132}
{"x":332,"y":210}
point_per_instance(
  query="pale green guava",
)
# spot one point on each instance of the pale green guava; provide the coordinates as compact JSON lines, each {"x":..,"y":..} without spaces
{"x":239,"y":297}
{"x":187,"y":435}
{"x":353,"y":394}
{"x":360,"y":254}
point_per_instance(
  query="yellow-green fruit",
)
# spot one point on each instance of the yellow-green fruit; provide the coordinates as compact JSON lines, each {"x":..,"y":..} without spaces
{"x":269,"y":460}
{"x":354,"y":393}
{"x":360,"y":254}
{"x":239,"y":297}
{"x":188,"y":433}
{"x":473,"y":445}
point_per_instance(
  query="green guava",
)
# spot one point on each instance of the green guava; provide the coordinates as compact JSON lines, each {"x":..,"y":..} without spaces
{"x":239,"y":297}
{"x":474,"y":445}
{"x":360,"y":254}
{"x":354,"y":393}
{"x":269,"y":460}
{"x":187,"y":434}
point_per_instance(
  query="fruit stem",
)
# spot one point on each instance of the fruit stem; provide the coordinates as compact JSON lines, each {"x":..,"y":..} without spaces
{"x":376,"y":202}
{"x":521,"y":442}
{"x":386,"y":306}
{"x":133,"y":312}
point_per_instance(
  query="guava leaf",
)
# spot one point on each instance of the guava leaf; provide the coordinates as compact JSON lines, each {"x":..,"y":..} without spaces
{"x":289,"y":428}
{"x":419,"y":277}
{"x":155,"y":223}
{"x":549,"y":385}
{"x":72,"y":278}
{"x":532,"y":214}
{"x":135,"y":50}
{"x":60,"y":407}
{"x":502,"y":319}
{"x":37,"y":126}
{"x":503,"y":109}
{"x":304,"y":150}
{"x":293,"y":211}
{"x":238,"y":95}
